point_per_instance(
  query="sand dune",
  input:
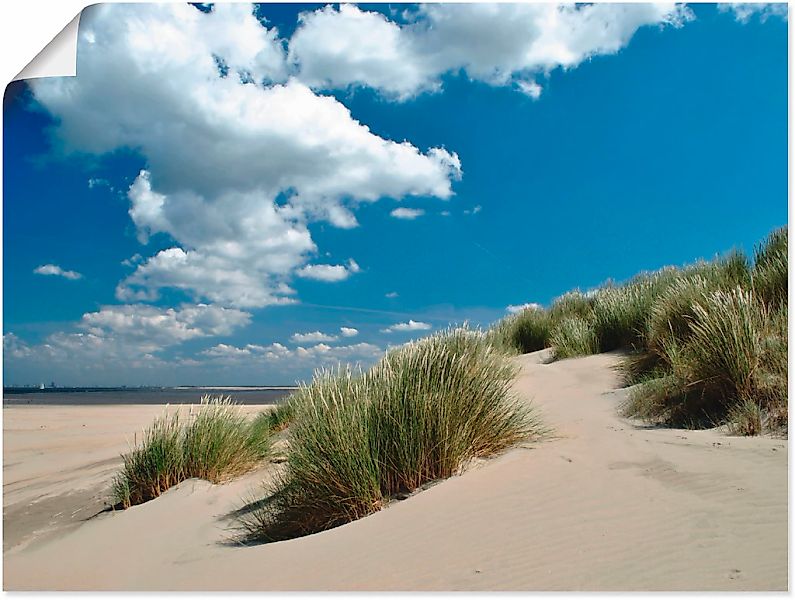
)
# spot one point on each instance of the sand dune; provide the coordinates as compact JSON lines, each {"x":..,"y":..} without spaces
{"x":604,"y":504}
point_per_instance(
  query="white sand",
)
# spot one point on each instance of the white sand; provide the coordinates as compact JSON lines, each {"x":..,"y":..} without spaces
{"x":606,"y":505}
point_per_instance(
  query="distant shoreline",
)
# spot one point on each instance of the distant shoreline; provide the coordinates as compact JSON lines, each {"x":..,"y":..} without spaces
{"x":235,"y":388}
{"x":149,"y":395}
{"x":88,"y":390}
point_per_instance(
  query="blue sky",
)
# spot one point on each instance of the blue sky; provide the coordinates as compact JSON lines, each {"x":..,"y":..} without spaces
{"x":167,"y":225}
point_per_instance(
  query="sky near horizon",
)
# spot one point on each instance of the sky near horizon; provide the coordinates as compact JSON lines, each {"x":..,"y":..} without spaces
{"x":238,"y":194}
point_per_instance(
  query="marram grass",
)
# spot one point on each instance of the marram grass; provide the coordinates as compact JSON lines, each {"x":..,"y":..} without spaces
{"x":359,"y":439}
{"x":216,"y":443}
{"x":574,"y":336}
{"x":526,"y":331}
{"x":278,"y":418}
{"x":706,"y":343}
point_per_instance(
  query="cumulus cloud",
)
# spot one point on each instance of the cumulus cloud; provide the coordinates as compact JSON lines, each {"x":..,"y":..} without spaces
{"x":229,"y":354}
{"x":517,"y":308}
{"x":240,"y":156}
{"x":332,"y":354}
{"x":410,"y":325}
{"x":129,"y":335}
{"x":745,"y":11}
{"x":349,"y":331}
{"x":407,"y":213}
{"x":323,"y":353}
{"x":57,"y":271}
{"x":391,"y":295}
{"x":313,"y":336}
{"x":329,"y":272}
{"x":14,"y":347}
{"x":499,"y":44}
{"x":227,"y":351}
{"x":154,"y":328}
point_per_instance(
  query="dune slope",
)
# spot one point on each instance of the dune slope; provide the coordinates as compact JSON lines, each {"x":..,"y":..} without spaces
{"x":604,"y":504}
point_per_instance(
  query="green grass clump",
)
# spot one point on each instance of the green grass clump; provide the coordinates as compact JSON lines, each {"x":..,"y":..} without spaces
{"x":360,"y":439}
{"x":220,"y":443}
{"x":216,"y":444}
{"x":571,"y":304}
{"x":620,"y":314}
{"x":574,"y":336}
{"x":672,"y":313}
{"x":770,"y":268}
{"x":526,"y":331}
{"x":726,"y":345}
{"x":153,"y":466}
{"x":729,"y":367}
{"x":278,"y":418}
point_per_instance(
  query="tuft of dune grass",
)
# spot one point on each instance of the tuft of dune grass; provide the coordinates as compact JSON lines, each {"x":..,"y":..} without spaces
{"x":360,"y":439}
{"x":771,"y":267}
{"x":728,"y":368}
{"x":278,"y":418}
{"x":217,"y":443}
{"x":574,"y":336}
{"x":620,"y":314}
{"x":526,"y":331}
{"x":571,"y":304}
{"x":726,"y":345}
{"x":153,"y":466}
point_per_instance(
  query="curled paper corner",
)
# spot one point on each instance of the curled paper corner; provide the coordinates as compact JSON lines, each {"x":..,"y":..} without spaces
{"x":56,"y":59}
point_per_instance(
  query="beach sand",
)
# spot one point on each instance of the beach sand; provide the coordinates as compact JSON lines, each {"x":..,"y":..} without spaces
{"x":603,"y":504}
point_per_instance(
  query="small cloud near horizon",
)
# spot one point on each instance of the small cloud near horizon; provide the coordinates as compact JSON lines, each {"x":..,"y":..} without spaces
{"x":313,"y":336}
{"x":50,"y":269}
{"x":517,"y":308}
{"x":411,"y":325}
{"x":407,"y":213}
{"x":349,"y":331}
{"x":391,"y":295}
{"x":330,"y":273}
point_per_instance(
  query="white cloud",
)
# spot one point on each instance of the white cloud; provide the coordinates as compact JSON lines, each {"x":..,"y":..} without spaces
{"x":332,"y":354}
{"x":127,"y":336}
{"x":228,"y":354}
{"x":14,"y":347}
{"x":154,"y":328}
{"x":313,"y":336}
{"x":349,"y":331}
{"x":530,"y":88}
{"x":132,"y":261}
{"x":56,"y":270}
{"x":329,"y":272}
{"x":391,"y":294}
{"x":745,"y":11}
{"x":473,"y":211}
{"x":500,"y":44}
{"x":517,"y":308}
{"x":407,"y":213}
{"x":227,"y":351}
{"x":97,"y":182}
{"x":322,"y":353}
{"x":221,"y":152}
{"x":411,"y":325}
